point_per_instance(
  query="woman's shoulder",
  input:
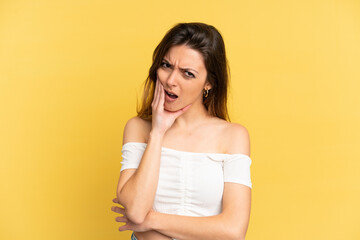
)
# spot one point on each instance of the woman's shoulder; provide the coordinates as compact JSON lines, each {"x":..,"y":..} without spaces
{"x":236,"y":136}
{"x":138,"y":121}
{"x":136,"y":130}
{"x":230,"y":127}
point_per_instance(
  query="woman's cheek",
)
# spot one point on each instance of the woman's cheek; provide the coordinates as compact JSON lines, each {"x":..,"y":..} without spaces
{"x":161,"y":76}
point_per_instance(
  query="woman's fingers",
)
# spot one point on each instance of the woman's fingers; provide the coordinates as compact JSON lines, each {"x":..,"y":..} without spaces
{"x":158,"y":94}
{"x":121,"y":219}
{"x":155,"y":94}
{"x":118,"y":210}
{"x":181,"y":111}
{"x":162,"y":95}
{"x":127,"y":226}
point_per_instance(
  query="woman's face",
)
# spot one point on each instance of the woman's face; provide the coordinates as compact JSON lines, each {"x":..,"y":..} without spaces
{"x":183,"y":73}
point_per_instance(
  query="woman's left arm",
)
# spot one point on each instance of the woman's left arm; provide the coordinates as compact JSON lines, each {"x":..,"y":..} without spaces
{"x":231,"y":223}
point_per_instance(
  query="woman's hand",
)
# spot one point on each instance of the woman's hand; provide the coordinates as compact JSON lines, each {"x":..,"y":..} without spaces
{"x":143,"y":227}
{"x":162,"y":120}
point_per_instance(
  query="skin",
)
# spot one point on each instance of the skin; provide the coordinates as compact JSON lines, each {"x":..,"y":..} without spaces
{"x":183,"y":72}
{"x":179,"y":125}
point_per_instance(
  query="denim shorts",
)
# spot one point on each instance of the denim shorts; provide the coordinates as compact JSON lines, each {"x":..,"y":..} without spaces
{"x":133,"y":237}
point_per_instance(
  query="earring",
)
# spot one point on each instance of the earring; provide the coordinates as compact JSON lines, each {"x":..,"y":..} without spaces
{"x":206,"y":93}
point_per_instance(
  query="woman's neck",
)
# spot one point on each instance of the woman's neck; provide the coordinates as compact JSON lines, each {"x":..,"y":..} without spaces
{"x":193,"y":117}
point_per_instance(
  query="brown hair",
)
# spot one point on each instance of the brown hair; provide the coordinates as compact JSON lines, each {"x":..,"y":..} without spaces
{"x":208,"y":41}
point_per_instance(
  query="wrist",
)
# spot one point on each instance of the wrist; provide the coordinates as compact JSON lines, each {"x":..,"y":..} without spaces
{"x":156,"y":135}
{"x":153,"y":219}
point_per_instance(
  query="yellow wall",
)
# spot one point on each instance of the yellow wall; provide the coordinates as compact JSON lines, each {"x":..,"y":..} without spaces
{"x":69,"y":75}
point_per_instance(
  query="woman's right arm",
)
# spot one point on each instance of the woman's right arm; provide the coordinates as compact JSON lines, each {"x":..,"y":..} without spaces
{"x":137,"y":187}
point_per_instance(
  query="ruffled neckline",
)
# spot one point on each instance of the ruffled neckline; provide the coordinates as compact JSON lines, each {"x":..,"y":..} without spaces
{"x":193,"y":153}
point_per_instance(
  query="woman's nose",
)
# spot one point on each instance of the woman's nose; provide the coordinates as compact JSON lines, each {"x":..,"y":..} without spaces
{"x":171,"y":80}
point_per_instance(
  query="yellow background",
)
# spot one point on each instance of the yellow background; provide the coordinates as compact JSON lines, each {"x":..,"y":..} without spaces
{"x":70,"y":74}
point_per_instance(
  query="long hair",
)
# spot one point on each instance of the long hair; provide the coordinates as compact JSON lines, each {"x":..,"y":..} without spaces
{"x":207,"y":40}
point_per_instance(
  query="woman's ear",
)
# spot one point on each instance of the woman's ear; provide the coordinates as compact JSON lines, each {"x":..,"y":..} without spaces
{"x":207,"y":85}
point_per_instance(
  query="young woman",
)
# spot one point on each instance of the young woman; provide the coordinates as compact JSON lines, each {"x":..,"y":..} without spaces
{"x":186,"y":168}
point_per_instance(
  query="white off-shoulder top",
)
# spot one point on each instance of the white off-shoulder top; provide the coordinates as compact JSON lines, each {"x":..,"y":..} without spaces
{"x":191,"y":183}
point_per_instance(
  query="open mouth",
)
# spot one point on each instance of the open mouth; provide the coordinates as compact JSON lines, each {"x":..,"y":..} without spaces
{"x":173,"y":96}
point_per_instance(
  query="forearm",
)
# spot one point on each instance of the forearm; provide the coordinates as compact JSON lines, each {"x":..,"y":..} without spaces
{"x":138,"y":193}
{"x":193,"y":228}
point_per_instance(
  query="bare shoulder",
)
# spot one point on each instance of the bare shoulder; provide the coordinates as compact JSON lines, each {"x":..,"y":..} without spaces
{"x":136,"y":130}
{"x":237,"y":138}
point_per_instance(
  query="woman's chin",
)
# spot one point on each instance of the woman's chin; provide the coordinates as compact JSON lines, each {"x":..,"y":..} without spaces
{"x":171,"y":108}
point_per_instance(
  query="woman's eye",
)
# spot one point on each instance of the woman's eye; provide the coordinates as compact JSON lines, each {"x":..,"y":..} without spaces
{"x":164,"y":64}
{"x":189,"y":74}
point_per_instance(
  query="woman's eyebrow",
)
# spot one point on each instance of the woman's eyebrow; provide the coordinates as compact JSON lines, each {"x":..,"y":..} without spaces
{"x":181,"y":68}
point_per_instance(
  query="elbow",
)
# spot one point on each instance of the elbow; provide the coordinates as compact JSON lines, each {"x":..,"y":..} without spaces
{"x":236,"y":237}
{"x":135,"y":216}
{"x":236,"y":234}
{"x":242,"y":237}
{"x":132,"y":211}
